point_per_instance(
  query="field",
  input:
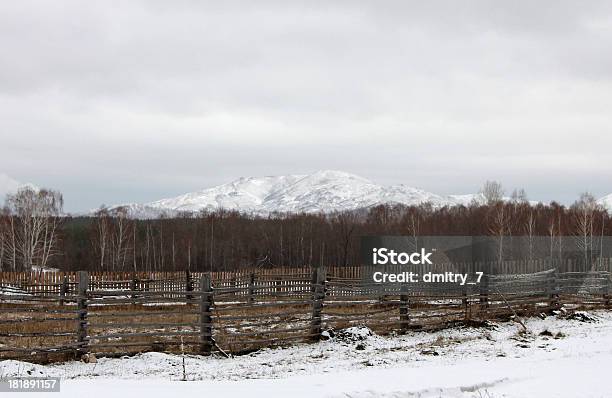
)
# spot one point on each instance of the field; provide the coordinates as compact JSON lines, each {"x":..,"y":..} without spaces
{"x":47,"y":318}
{"x":562,"y":355}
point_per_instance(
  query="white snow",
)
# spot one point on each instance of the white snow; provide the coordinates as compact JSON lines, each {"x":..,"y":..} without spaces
{"x":38,"y":268}
{"x":10,"y":290}
{"x":324,"y":191}
{"x":9,"y":185}
{"x":460,"y":362}
{"x":606,"y":202}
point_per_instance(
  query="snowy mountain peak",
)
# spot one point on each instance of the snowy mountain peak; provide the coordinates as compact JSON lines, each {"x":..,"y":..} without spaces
{"x":334,"y":175}
{"x":9,"y":185}
{"x":606,"y":202}
{"x":323,"y":191}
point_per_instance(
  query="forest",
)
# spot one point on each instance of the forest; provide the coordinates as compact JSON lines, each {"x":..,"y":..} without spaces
{"x":35,"y":233}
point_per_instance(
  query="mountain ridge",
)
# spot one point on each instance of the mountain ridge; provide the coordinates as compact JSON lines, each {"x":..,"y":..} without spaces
{"x":606,"y":202}
{"x":324,"y":191}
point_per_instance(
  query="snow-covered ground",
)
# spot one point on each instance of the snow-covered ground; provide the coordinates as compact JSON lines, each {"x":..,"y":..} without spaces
{"x":558,"y":357}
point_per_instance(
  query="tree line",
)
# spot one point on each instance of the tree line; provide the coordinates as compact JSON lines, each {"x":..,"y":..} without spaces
{"x":35,"y":233}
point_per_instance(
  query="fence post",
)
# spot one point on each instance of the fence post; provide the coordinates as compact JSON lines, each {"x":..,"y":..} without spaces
{"x":188,"y":286}
{"x":554,"y":290}
{"x":484,"y":291}
{"x":404,"y":309}
{"x":251,"y":297}
{"x":607,"y":291}
{"x":82,"y":339}
{"x":206,"y":300}
{"x":465,"y":302}
{"x":234,"y":285}
{"x":63,"y":290}
{"x":133,"y":289}
{"x":318,"y":290}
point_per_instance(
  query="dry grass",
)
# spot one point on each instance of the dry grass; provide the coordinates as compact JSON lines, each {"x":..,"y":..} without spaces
{"x":239,"y":326}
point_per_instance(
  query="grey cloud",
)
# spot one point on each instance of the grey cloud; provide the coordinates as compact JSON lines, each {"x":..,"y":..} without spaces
{"x":131,"y":101}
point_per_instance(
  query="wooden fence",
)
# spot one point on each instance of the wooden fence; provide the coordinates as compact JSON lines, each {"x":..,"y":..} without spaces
{"x":54,"y":316}
{"x":54,"y":283}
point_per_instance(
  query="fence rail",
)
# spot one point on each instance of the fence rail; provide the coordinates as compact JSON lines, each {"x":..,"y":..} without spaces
{"x":55,"y":316}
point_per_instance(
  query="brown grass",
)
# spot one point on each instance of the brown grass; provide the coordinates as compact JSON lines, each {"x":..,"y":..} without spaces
{"x":256,"y":326}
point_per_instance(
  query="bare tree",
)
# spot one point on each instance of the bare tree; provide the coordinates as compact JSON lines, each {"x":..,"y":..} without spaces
{"x":102,"y":241}
{"x":412,"y":221}
{"x":10,"y":239}
{"x":498,"y":226}
{"x":498,"y":219}
{"x":584,"y":212}
{"x":346,"y":223}
{"x":519,"y":196}
{"x":492,"y":192}
{"x":530,"y":229}
{"x":4,"y":236}
{"x":33,"y":219}
{"x":120,"y":237}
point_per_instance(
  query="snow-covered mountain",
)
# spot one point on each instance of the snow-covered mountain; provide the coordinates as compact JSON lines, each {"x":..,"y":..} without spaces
{"x":606,"y":202}
{"x":324,"y":191}
{"x":9,"y":185}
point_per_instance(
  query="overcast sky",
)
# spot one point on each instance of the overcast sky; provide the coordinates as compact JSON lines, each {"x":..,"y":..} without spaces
{"x":128,"y":101}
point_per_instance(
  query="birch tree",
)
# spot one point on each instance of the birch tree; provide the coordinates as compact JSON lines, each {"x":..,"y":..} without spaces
{"x":584,"y":213}
{"x":121,"y":233}
{"x":498,"y":219}
{"x":492,"y":192}
{"x":33,"y":218}
{"x":102,"y":236}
